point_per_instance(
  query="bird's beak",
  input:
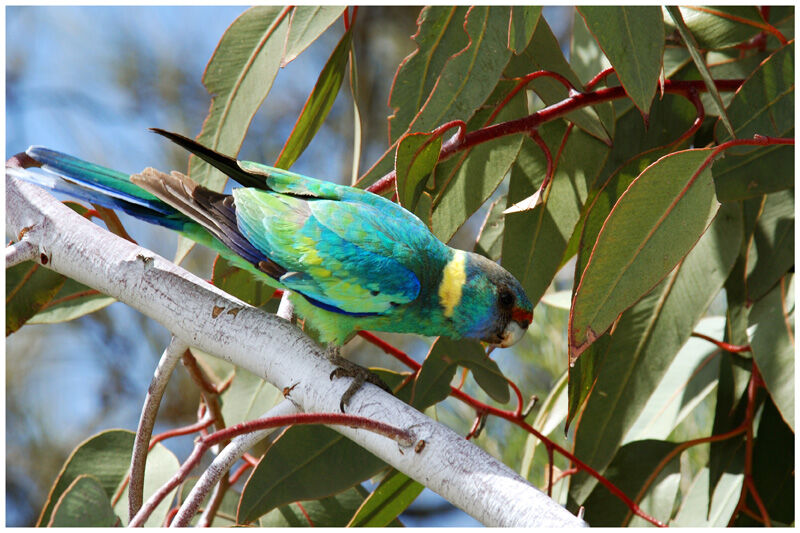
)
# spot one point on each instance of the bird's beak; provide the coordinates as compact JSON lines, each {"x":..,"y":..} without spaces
{"x":512,"y":334}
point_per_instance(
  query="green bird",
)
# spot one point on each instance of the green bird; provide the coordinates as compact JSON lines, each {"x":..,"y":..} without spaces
{"x":352,"y":260}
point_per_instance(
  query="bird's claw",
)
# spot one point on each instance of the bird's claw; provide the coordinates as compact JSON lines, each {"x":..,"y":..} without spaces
{"x":360,"y":375}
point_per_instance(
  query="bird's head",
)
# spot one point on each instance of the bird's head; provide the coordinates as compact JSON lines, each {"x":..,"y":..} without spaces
{"x":492,"y":305}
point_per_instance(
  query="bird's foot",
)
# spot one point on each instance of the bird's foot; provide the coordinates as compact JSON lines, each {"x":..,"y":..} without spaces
{"x":360,"y":375}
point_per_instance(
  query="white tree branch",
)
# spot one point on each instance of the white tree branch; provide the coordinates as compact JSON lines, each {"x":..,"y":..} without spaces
{"x":205,"y":317}
{"x":19,"y":252}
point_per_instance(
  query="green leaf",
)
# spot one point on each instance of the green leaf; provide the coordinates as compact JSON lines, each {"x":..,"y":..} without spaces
{"x":29,"y":287}
{"x":161,"y":466}
{"x":771,"y":252}
{"x":520,"y":29}
{"x":305,"y":25}
{"x":440,"y":35}
{"x":655,"y":223}
{"x":763,"y":105}
{"x":105,"y":456}
{"x":305,"y":463}
{"x":73,"y":301}
{"x":699,"y":62}
{"x":629,"y":470}
{"x":417,"y":155}
{"x":432,"y":383}
{"x":240,"y":283}
{"x":544,"y":53}
{"x":334,"y":511}
{"x":772,"y":342}
{"x":466,"y":77}
{"x":697,"y":511}
{"x":83,"y":504}
{"x":690,"y":379}
{"x":318,"y":105}
{"x":632,"y":38}
{"x":648,"y":337}
{"x":726,"y":457}
{"x":587,"y":60}
{"x":239,"y":76}
{"x":463,"y":183}
{"x":585,"y":56}
{"x":490,"y":236}
{"x":461,"y":55}
{"x":534,"y":241}
{"x":247,"y":398}
{"x":394,"y":494}
{"x":774,"y":465}
{"x":717,"y":27}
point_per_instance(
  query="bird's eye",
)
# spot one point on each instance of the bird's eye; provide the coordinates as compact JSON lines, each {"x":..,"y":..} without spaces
{"x":506,"y":298}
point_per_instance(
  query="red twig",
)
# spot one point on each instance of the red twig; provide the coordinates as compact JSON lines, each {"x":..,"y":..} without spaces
{"x":600,"y":77}
{"x":548,"y":176}
{"x":239,"y":472}
{"x":529,"y":123}
{"x":525,"y":80}
{"x":733,"y":348}
{"x":693,"y":97}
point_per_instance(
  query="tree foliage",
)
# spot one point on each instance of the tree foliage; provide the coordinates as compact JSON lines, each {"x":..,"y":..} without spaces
{"x":657,"y":158}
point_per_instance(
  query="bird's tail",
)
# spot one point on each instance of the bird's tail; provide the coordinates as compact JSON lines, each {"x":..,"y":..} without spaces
{"x":97,"y":184}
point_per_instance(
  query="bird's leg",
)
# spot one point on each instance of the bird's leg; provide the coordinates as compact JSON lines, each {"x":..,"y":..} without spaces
{"x":347,"y":368}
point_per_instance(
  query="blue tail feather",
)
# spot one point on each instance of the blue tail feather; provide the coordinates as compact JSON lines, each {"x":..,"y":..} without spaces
{"x":100,"y":185}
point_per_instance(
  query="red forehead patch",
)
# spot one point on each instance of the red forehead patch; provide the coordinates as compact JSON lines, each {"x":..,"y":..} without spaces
{"x":521,"y":316}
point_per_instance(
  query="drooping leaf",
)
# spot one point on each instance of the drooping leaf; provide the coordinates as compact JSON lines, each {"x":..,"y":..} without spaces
{"x":467,"y":77}
{"x":433,"y":380}
{"x":239,"y":76}
{"x":632,"y":38}
{"x":440,"y":35}
{"x":690,"y":378}
{"x":306,"y":24}
{"x":726,"y":457}
{"x":717,"y":27}
{"x":520,"y":30}
{"x":773,"y":468}
{"x":772,"y":342}
{"x":692,"y":47}
{"x":83,"y":504}
{"x":627,"y":366}
{"x":416,"y":156}
{"x":461,"y":55}
{"x":535,"y":241}
{"x":697,"y":510}
{"x":318,"y":104}
{"x":651,"y":228}
{"x":391,"y":497}
{"x":105,"y":456}
{"x":490,"y":237}
{"x":161,"y":465}
{"x":304,"y":463}
{"x":73,"y":301}
{"x":764,"y":105}
{"x":29,"y":287}
{"x":631,"y":467}
{"x":463,"y":183}
{"x":771,"y":252}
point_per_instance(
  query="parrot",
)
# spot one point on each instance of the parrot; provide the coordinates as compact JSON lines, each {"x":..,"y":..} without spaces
{"x":350,"y":259}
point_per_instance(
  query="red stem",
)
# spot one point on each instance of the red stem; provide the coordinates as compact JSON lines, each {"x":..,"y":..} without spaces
{"x":733,"y":348}
{"x":531,"y":122}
